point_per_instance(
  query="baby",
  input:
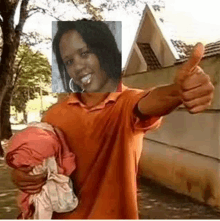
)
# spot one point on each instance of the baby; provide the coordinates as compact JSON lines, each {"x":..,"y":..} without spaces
{"x":44,"y":148}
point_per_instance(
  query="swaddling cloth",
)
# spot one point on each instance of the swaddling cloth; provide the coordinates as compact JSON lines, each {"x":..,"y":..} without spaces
{"x":34,"y":147}
{"x":56,"y":195}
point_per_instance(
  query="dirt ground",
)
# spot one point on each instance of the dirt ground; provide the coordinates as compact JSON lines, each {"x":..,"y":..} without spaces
{"x":154,"y":200}
{"x":158,"y":202}
{"x":8,"y":207}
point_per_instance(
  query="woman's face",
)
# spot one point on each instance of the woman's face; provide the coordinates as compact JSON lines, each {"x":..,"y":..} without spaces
{"x":81,"y":64}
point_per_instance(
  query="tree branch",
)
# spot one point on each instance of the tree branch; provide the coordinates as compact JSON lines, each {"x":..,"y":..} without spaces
{"x":41,"y":10}
{"x":20,"y":61}
{"x":33,"y":38}
{"x":33,"y":12}
{"x":77,"y":7}
{"x":23,"y":15}
{"x":1,"y":22}
{"x":17,"y":73}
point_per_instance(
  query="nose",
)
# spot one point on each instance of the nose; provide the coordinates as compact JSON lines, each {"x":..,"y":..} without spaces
{"x":78,"y":64}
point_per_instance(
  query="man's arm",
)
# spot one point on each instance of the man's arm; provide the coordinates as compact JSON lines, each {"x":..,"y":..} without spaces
{"x":30,"y":184}
{"x":192,"y":87}
{"x":161,"y":101}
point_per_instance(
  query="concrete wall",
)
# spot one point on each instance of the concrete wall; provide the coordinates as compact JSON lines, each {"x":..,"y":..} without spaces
{"x":184,"y":153}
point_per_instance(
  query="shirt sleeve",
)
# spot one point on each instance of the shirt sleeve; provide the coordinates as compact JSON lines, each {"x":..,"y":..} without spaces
{"x":143,"y":123}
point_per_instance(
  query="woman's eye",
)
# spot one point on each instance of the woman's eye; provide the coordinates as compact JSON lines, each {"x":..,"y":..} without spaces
{"x":69,"y":62}
{"x":85,"y":54}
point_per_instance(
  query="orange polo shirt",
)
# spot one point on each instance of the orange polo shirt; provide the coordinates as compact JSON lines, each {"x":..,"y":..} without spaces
{"x":107,"y":142}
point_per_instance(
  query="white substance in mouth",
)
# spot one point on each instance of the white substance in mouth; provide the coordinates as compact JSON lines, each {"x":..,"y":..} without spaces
{"x":86,"y":79}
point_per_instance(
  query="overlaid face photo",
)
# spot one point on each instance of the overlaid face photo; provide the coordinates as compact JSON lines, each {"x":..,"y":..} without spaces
{"x":87,"y":58}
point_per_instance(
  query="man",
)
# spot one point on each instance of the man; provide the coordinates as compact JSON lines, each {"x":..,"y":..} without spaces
{"x":105,"y":131}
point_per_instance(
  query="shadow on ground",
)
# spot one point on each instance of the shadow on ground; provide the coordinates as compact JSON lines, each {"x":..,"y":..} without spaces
{"x":158,"y":202}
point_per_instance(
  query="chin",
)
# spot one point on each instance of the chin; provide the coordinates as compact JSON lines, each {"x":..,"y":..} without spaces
{"x":93,"y":89}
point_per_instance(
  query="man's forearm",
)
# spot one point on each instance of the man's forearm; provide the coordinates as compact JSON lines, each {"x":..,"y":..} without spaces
{"x":161,"y":101}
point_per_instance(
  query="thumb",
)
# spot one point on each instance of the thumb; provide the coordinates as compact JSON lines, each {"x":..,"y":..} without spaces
{"x":195,"y":57}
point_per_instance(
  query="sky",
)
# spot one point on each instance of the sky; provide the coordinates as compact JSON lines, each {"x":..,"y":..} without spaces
{"x":195,"y":20}
{"x":190,"y":20}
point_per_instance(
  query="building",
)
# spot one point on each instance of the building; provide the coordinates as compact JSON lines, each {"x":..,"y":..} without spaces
{"x":184,"y":154}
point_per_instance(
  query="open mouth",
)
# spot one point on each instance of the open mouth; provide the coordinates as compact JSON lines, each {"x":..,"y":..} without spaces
{"x":86,"y":79}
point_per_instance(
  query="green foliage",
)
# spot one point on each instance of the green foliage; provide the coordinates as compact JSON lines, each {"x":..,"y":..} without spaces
{"x":21,"y":97}
{"x":33,"y":66}
{"x":32,"y":77}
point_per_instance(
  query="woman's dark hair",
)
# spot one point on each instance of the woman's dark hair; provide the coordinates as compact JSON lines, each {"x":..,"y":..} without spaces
{"x":100,"y":41}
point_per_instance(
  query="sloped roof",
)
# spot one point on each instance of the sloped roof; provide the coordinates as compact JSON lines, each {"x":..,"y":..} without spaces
{"x":179,"y":49}
{"x":149,"y":56}
{"x":184,"y":50}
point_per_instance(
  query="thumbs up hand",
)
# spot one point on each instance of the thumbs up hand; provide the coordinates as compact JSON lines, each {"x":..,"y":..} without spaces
{"x":195,"y":87}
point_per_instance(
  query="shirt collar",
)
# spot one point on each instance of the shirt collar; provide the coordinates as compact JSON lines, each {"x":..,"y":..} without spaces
{"x":112,"y":97}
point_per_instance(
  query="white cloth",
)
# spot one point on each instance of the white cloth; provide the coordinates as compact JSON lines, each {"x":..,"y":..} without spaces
{"x":56,"y":195}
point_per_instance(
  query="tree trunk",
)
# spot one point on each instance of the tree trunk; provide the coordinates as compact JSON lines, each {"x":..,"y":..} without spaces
{"x":11,"y":38}
{"x":24,"y":116}
{"x":2,"y":93}
{"x":16,"y":115}
{"x":5,"y":112}
{"x":1,"y":150}
{"x":6,"y":69}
